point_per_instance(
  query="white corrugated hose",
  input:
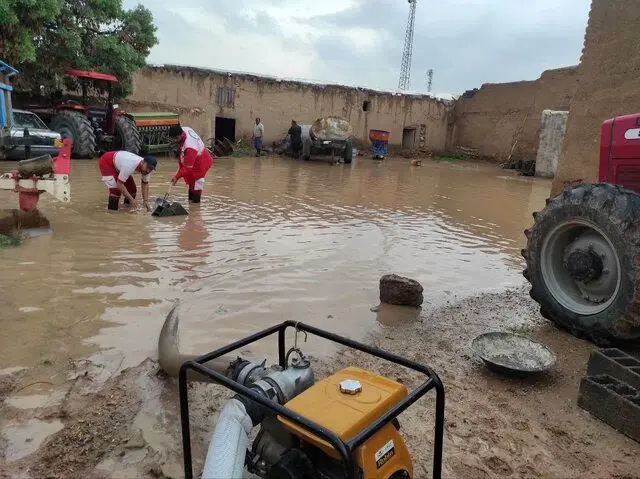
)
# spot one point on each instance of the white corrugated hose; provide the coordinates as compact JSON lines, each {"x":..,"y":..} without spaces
{"x":229,"y":443}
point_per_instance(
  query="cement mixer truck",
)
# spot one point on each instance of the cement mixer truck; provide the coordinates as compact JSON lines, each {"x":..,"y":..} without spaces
{"x":328,"y":137}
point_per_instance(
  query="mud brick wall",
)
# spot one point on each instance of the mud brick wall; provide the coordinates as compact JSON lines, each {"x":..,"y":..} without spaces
{"x":609,"y":86}
{"x":495,"y":116}
{"x":193,"y":94}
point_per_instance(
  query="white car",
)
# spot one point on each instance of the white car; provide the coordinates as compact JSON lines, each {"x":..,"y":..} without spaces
{"x":45,"y":141}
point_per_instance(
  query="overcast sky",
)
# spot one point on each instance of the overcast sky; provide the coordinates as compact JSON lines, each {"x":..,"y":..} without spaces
{"x":360,"y":42}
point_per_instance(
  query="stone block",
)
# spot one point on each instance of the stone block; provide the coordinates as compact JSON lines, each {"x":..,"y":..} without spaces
{"x":552,"y":131}
{"x":400,"y":291}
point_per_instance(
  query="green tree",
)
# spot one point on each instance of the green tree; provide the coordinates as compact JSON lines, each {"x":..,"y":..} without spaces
{"x":43,"y":37}
{"x":21,"y":22}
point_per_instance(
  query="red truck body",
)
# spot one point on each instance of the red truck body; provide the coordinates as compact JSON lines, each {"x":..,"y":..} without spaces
{"x":620,"y":151}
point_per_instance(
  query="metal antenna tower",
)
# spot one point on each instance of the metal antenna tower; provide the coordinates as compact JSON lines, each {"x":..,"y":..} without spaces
{"x":405,"y":69}
{"x":429,"y":79}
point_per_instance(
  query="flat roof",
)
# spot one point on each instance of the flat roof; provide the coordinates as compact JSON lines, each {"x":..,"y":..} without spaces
{"x":91,"y":75}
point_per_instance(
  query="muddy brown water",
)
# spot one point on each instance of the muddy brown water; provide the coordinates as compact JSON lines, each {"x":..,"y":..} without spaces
{"x":273,"y":239}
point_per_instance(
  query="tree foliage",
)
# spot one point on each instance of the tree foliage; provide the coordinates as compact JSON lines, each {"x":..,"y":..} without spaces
{"x":43,"y":37}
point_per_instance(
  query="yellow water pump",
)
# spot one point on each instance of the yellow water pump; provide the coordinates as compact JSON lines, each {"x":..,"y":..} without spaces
{"x":342,"y":426}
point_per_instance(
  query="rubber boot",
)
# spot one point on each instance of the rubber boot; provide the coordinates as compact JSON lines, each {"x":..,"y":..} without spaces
{"x":113,"y":203}
{"x":194,"y":196}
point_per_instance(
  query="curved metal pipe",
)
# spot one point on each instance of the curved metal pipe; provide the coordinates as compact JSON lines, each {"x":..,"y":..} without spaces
{"x":169,"y":354}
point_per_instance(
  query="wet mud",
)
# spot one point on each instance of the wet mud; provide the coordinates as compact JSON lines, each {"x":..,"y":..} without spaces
{"x":276,"y":239}
{"x":496,"y":426}
{"x":15,"y":221}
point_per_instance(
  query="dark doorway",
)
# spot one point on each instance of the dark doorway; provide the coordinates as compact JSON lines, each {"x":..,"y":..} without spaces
{"x":408,"y":138}
{"x":225,"y":128}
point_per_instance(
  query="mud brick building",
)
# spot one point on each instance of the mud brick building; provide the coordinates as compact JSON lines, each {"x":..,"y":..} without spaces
{"x":609,"y":86}
{"x":496,"y":120}
{"x":501,"y":119}
{"x":223,"y":104}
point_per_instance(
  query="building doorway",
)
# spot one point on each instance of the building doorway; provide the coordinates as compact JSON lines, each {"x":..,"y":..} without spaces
{"x":408,"y":138}
{"x":225,"y":128}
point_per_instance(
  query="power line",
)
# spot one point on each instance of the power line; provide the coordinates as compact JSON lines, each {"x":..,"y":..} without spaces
{"x":405,"y":69}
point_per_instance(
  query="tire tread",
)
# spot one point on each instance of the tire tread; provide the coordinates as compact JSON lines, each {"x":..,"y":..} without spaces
{"x":621,"y":209}
{"x":84,"y":141}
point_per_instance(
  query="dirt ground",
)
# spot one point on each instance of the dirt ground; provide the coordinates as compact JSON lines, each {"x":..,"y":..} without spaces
{"x":496,"y":427}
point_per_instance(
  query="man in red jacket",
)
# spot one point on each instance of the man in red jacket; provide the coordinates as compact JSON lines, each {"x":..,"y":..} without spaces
{"x":117,"y":168}
{"x":194,"y":160}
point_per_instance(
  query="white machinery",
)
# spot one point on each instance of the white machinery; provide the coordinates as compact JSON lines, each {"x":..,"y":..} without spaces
{"x":40,"y":175}
{"x":32,"y":176}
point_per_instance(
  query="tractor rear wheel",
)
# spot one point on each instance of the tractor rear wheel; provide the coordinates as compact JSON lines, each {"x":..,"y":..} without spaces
{"x":583,"y":262}
{"x":127,"y":136}
{"x":74,"y":125}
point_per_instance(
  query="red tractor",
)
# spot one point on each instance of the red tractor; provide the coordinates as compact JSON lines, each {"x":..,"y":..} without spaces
{"x":583,"y":250}
{"x":92,"y":130}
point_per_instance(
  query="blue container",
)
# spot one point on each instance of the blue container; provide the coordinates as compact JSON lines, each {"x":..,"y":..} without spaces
{"x":379,"y":140}
{"x":379,"y":149}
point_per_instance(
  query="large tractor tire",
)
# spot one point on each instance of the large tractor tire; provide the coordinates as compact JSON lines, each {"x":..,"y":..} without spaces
{"x":583,"y":262}
{"x":74,"y":125}
{"x":127,"y":135}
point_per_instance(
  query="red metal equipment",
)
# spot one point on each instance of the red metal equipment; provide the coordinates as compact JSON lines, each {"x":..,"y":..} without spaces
{"x":40,"y":175}
{"x":620,"y":151}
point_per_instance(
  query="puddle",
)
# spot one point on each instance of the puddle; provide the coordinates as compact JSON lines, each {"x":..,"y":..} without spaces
{"x":24,"y":439}
{"x":35,"y":400}
{"x":273,"y":240}
{"x":35,"y":232}
{"x":390,"y":315}
{"x":11,"y":370}
{"x":29,"y":309}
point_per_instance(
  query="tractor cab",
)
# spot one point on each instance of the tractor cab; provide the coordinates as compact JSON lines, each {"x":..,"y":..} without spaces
{"x":102,"y":119}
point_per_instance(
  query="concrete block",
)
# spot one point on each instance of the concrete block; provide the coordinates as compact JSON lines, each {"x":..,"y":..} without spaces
{"x":552,"y":130}
{"x":615,"y":363}
{"x":613,"y":402}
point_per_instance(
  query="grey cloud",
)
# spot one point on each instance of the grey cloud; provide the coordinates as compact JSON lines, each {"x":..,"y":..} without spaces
{"x":466,"y":43}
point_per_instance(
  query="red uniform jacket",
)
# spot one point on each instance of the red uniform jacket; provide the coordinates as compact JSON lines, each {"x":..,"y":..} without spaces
{"x":194,"y":160}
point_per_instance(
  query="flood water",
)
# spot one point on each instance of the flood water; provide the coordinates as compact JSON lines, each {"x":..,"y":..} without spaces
{"x":273,"y":239}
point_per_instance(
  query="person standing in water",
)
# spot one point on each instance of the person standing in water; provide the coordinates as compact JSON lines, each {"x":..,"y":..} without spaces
{"x":194,"y":160}
{"x":117,"y":168}
{"x":258,"y":135}
{"x":295,"y":134}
